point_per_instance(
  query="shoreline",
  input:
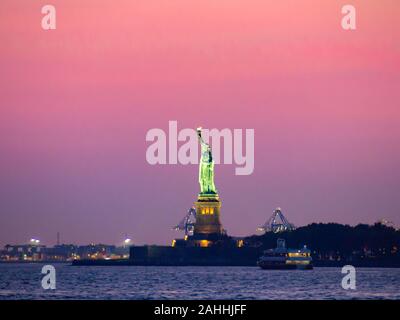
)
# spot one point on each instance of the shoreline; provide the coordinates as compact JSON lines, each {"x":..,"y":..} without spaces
{"x":117,"y":263}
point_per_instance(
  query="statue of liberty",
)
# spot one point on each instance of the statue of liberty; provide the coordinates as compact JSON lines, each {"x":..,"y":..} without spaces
{"x":206,"y":168}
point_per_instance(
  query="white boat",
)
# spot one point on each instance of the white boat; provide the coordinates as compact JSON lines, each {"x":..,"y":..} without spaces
{"x":283,"y":258}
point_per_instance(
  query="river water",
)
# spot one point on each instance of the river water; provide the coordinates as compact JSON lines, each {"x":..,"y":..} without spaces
{"x":23,"y":281}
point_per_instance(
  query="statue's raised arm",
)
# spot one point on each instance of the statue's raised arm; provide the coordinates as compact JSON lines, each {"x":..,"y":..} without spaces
{"x":203,"y":144}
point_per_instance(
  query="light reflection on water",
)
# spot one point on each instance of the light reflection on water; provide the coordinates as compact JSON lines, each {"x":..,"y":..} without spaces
{"x":23,"y":281}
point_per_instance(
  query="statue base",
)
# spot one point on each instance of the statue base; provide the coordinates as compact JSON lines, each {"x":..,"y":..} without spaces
{"x":208,"y":207}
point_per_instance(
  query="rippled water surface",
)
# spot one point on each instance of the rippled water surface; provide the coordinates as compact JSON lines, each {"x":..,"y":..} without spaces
{"x":23,"y":281}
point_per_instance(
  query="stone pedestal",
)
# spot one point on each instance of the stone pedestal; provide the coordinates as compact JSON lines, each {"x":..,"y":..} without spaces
{"x":208,"y":208}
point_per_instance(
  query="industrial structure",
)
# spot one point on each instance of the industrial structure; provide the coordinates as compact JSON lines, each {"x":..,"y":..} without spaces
{"x":276,"y":223}
{"x":187,"y":223}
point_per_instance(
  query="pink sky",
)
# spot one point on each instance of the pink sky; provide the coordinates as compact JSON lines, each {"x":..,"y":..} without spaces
{"x":76,"y":103}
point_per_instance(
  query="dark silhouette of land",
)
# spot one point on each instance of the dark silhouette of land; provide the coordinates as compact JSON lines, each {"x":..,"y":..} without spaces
{"x":334,"y":244}
{"x":331,"y":244}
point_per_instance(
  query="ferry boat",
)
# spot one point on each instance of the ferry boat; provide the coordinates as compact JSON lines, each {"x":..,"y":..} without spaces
{"x":283,"y":258}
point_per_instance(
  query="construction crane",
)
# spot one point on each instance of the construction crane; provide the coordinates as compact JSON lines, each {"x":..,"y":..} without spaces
{"x":187,"y":223}
{"x":276,"y":223}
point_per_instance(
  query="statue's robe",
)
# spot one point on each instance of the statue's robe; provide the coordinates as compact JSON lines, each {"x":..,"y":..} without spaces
{"x":206,"y":170}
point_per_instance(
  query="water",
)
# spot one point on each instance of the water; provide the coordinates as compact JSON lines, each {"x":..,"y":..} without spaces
{"x":23,"y":281}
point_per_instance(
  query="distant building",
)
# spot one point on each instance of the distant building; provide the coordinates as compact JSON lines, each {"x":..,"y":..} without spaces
{"x":25,"y":252}
{"x":62,"y":253}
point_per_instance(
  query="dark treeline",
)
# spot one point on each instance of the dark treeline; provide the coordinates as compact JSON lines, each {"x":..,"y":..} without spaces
{"x":337,"y":242}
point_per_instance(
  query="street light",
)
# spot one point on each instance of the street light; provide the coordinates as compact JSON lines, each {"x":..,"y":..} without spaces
{"x":34,"y":241}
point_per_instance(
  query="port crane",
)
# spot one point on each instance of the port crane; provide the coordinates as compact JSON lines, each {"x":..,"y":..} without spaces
{"x":187,"y":223}
{"x":276,"y":223}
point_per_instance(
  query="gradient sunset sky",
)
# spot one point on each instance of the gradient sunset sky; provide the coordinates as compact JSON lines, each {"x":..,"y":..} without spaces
{"x":76,"y":104}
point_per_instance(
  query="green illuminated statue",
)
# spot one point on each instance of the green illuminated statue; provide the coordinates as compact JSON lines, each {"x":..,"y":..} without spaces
{"x":206,"y":168}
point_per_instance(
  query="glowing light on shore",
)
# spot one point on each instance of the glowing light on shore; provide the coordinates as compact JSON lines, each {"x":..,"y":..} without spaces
{"x":127,"y":242}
